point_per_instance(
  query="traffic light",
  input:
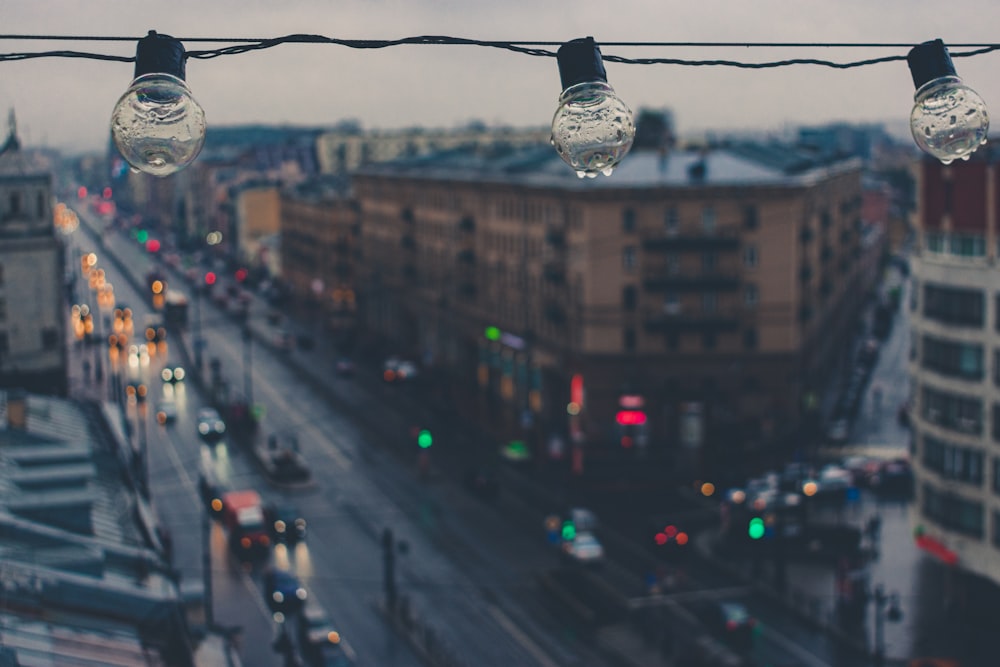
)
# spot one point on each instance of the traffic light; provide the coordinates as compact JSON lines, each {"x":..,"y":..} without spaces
{"x":424,"y":439}
{"x":210,"y":278}
{"x":568,"y":531}
{"x":241,"y":275}
{"x":756,"y":528}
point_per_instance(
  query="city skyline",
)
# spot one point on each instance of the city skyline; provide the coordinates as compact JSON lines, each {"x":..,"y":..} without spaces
{"x":65,"y":103}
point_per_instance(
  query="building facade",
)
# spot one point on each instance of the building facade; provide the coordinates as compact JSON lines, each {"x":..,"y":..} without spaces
{"x":32,"y":299}
{"x":683,"y":310}
{"x":955,"y":363}
{"x":319,"y":253}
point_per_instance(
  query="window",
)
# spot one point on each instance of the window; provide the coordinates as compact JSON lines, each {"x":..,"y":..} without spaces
{"x":629,"y":298}
{"x":750,"y":217}
{"x":708,"y":341}
{"x":953,"y":512}
{"x":673,"y":341}
{"x":996,"y":529}
{"x":673,"y":264}
{"x":709,"y":302}
{"x":963,"y":464}
{"x":750,"y":296}
{"x":629,"y":258}
{"x":708,"y":220}
{"x":671,"y":304}
{"x":4,"y":343}
{"x":996,"y":475}
{"x":40,"y":205}
{"x":915,"y":296}
{"x":953,"y":305}
{"x":750,"y":339}
{"x":750,"y":256}
{"x":628,"y":221}
{"x":3,"y":309}
{"x":671,"y":221}
{"x":967,"y":245}
{"x":708,"y":262}
{"x":952,"y":358}
{"x":934,"y":242}
{"x":15,"y":203}
{"x":955,"y":412}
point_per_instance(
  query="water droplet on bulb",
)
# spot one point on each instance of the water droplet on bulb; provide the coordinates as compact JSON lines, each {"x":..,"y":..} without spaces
{"x":983,"y":142}
{"x":607,"y":171}
{"x":134,"y":170}
{"x":591,"y":174}
{"x":946,"y":161}
{"x":965,"y":158}
{"x":580,"y":174}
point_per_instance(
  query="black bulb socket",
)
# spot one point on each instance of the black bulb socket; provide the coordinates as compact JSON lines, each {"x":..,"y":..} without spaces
{"x":580,"y":62}
{"x":159,"y":54}
{"x":929,"y":61}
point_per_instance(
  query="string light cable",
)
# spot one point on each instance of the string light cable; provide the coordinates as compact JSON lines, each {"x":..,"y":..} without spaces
{"x":159,"y":127}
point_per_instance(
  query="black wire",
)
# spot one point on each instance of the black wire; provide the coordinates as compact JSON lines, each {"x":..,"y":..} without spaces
{"x":246,"y":45}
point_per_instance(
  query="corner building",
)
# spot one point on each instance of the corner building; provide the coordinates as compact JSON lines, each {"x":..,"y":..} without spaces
{"x":682,"y":312}
{"x":955,"y":364}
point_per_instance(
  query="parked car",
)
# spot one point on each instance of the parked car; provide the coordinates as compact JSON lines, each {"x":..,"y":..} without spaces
{"x":584,"y":548}
{"x":729,"y":621}
{"x":283,"y":592}
{"x":319,"y":641}
{"x":210,"y":424}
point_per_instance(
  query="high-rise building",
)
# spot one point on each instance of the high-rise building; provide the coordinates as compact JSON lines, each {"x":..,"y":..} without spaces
{"x":955,"y":404}
{"x":686,"y":309}
{"x":32,"y":299}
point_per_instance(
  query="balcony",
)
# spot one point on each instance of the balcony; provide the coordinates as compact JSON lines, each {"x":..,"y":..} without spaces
{"x":826,"y":254}
{"x":806,"y":235}
{"x":660,"y":321}
{"x":723,"y":239}
{"x":467,"y":224}
{"x":555,"y":313}
{"x":466,"y":256}
{"x":659,"y":279}
{"x":408,"y":242}
{"x":805,"y":274}
{"x":556,"y":238}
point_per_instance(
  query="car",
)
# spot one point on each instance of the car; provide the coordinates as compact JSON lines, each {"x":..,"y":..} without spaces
{"x":344,"y":367}
{"x":396,"y":370}
{"x":729,"y":621}
{"x":175,"y":374}
{"x":166,"y":412}
{"x":287,"y":524}
{"x":583,"y":548}
{"x":211,"y":488}
{"x":210,"y":424}
{"x":283,"y":592}
{"x":319,"y":641}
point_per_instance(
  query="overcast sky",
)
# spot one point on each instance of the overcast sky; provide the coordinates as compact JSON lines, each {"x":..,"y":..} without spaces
{"x":66,"y":103}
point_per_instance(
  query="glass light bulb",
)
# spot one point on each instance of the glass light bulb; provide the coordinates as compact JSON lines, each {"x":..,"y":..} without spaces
{"x":157,"y":125}
{"x":592,"y":129}
{"x":949,"y":119}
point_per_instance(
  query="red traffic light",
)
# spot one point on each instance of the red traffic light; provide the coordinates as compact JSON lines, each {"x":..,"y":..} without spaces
{"x":661,"y":539}
{"x":152,"y":245}
{"x":630,"y":417}
{"x":241,"y":274}
{"x":210,"y":278}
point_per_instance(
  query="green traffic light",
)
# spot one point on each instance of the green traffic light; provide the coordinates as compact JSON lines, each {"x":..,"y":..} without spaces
{"x":142,"y":235}
{"x":756,"y":528}
{"x":568,"y":530}
{"x":424,"y":439}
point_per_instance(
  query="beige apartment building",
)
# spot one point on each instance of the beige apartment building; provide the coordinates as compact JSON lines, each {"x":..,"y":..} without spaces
{"x":319,"y":250}
{"x":685,"y":309}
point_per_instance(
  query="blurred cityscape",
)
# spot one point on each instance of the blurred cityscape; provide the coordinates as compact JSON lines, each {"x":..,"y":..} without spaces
{"x":338,"y":396}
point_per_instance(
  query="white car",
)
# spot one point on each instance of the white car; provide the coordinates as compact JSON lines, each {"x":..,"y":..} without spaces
{"x":584,"y":548}
{"x":210,"y":424}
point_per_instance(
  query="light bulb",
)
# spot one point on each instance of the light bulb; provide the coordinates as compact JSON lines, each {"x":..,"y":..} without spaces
{"x":949,"y":119}
{"x":156,"y":125}
{"x":592,"y":129}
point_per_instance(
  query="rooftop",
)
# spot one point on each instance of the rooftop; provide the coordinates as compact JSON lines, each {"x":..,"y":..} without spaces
{"x":738,"y":164}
